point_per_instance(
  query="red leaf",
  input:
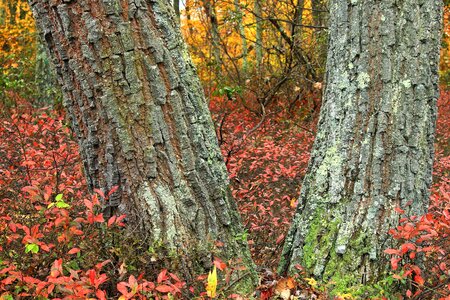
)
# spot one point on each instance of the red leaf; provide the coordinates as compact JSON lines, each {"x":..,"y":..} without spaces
{"x":406,"y":247}
{"x":174,"y":277}
{"x":74,"y":250}
{"x":91,"y":274}
{"x":100,"y":192}
{"x":113,"y":190}
{"x":29,"y":279}
{"x":164,"y":288}
{"x":50,"y":288}
{"x":392,"y":251}
{"x":101,"y":295}
{"x":12,"y":226}
{"x":399,"y":210}
{"x":280,"y":239}
{"x":122,"y":287}
{"x":408,"y":293}
{"x":88,"y":204}
{"x":111,"y":221}
{"x":219,"y":264}
{"x":394,"y":262}
{"x":162,"y":276}
{"x":99,"y":218}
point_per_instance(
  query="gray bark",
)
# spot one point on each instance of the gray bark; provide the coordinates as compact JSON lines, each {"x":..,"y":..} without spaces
{"x":374,"y":147}
{"x":140,"y":115}
{"x":176,"y":8}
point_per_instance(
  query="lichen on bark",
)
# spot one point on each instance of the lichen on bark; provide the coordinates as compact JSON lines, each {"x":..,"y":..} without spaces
{"x":374,"y":147}
{"x":138,"y":109}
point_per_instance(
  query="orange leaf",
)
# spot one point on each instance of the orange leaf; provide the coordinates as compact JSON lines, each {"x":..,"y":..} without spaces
{"x":419,"y":279}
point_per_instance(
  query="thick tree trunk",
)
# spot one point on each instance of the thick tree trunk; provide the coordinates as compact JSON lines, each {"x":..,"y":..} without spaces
{"x":139,"y":113}
{"x":374,"y":148}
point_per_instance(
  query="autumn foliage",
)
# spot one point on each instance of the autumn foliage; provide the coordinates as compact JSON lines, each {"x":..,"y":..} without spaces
{"x":55,"y":243}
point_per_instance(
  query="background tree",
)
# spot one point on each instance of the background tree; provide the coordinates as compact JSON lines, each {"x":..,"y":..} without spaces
{"x":21,"y":60}
{"x":374,"y":147}
{"x":137,"y":108}
{"x":268,"y":50}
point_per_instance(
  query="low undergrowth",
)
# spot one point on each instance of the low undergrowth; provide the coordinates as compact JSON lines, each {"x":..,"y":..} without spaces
{"x":56,"y":243}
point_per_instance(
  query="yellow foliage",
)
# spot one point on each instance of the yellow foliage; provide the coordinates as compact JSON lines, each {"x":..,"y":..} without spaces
{"x":212,"y":283}
{"x":17,"y":33}
{"x":346,"y":296}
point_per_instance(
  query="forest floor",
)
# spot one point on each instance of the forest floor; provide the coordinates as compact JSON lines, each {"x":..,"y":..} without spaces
{"x":55,"y":240}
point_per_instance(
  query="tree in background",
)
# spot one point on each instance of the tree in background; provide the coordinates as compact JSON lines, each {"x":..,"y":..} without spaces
{"x":373,"y":151}
{"x":258,"y":51}
{"x":138,"y":110}
{"x":25,"y":71}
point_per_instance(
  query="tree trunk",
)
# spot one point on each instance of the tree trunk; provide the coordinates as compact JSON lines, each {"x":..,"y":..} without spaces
{"x":176,"y":8}
{"x":241,"y":30}
{"x":296,"y":26}
{"x":374,"y":147}
{"x":258,"y":42}
{"x":138,"y":110}
{"x":215,"y":37}
{"x":319,"y":12}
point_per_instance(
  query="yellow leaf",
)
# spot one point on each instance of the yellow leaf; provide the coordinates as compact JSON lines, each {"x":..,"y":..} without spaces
{"x":293,"y":203}
{"x":312,"y":282}
{"x":212,"y":283}
{"x":345,"y":296}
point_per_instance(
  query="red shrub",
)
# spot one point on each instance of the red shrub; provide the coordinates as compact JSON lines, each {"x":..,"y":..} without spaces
{"x":423,"y":258}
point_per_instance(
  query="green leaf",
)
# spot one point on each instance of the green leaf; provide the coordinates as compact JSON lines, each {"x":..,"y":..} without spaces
{"x":59,"y":197}
{"x":33,"y":248}
{"x":62,"y":204}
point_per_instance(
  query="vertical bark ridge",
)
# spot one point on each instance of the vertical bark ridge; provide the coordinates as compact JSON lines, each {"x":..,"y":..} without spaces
{"x":139,"y":113}
{"x":374,"y":148}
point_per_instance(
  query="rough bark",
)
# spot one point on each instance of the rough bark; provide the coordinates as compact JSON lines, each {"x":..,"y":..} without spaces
{"x":138,"y":110}
{"x":374,"y":147}
{"x":176,"y":8}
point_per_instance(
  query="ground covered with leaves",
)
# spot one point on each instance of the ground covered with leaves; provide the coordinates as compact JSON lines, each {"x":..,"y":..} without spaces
{"x":56,"y":244}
